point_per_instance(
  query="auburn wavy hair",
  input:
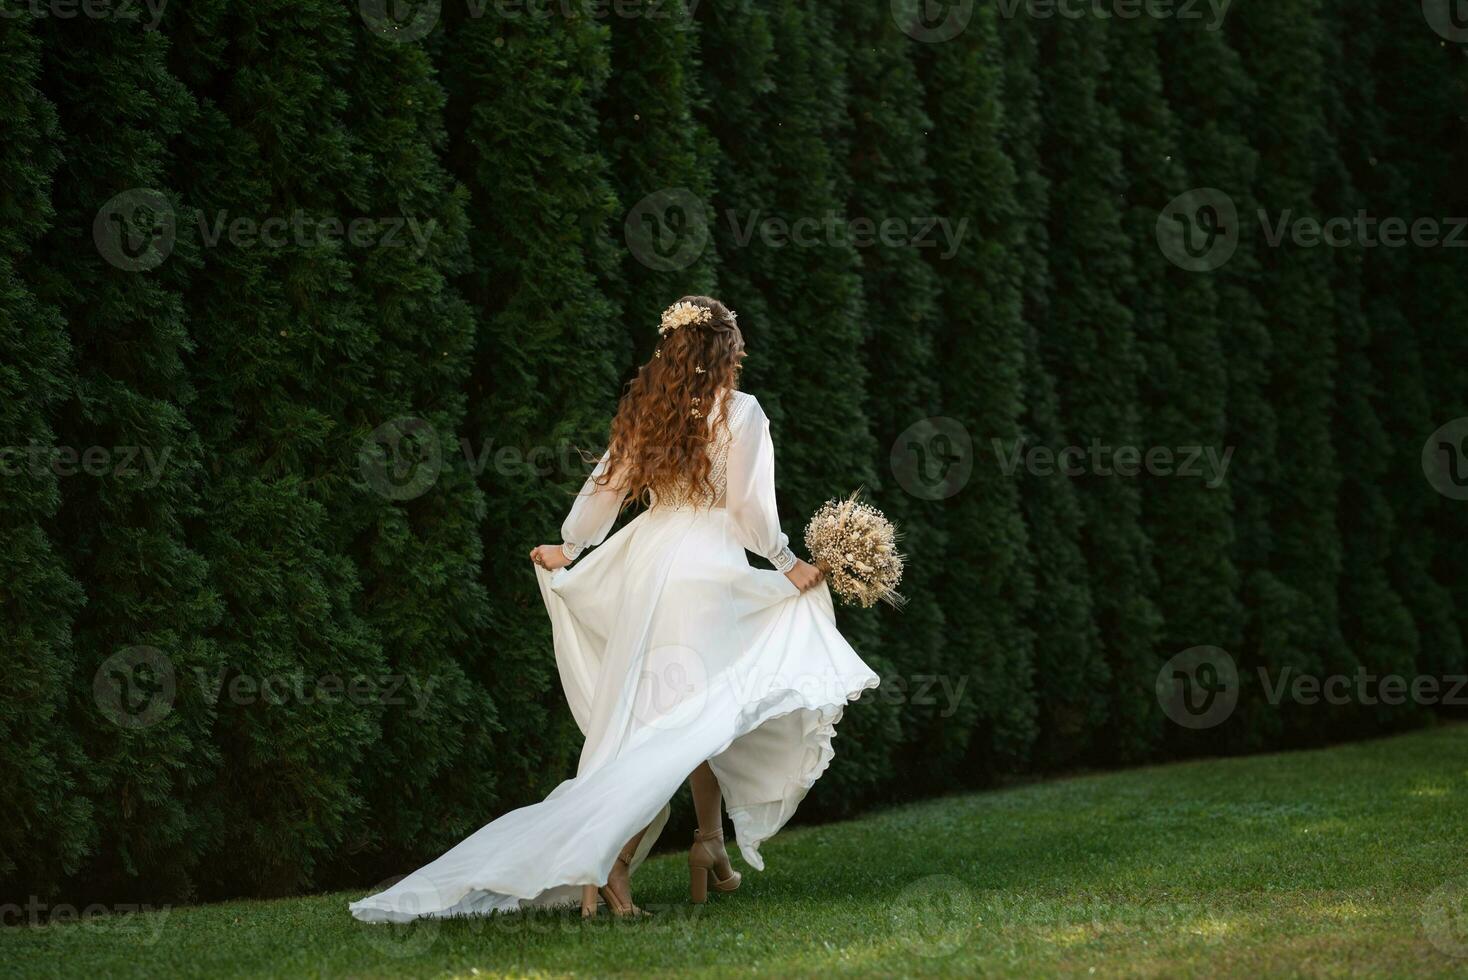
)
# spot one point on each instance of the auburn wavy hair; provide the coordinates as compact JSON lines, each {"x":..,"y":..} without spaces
{"x":661,"y":433}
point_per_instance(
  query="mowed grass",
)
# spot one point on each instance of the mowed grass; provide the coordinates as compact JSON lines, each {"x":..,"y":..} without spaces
{"x":1347,"y":861}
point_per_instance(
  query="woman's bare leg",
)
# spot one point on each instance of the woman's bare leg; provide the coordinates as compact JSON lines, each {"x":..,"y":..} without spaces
{"x":708,"y":799}
{"x":708,"y":860}
{"x":619,"y":882}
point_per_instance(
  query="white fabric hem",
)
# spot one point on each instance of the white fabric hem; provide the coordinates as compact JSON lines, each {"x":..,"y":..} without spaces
{"x":753,"y":823}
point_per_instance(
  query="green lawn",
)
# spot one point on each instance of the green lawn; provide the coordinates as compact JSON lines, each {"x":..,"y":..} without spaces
{"x":1339,"y":862}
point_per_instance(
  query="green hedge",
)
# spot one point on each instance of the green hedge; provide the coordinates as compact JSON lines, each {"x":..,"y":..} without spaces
{"x":270,"y":477}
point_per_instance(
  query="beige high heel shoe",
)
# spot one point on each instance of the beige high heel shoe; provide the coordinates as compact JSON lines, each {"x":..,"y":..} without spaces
{"x":706,"y":863}
{"x":589,"y":893}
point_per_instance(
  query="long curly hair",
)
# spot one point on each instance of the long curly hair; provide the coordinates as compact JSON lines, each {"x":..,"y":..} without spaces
{"x":661,"y":434}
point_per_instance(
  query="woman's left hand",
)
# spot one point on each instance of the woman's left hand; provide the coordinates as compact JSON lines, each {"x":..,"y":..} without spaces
{"x":550,"y":557}
{"x":804,"y":576}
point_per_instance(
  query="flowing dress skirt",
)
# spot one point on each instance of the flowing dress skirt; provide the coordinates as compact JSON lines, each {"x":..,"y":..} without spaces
{"x":672,"y":650}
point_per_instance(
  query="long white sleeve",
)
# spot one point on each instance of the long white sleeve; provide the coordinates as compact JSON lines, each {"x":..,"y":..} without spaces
{"x":592,"y":515}
{"x":750,"y":498}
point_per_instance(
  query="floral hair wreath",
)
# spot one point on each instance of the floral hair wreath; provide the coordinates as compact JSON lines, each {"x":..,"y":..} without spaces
{"x":684,"y":314}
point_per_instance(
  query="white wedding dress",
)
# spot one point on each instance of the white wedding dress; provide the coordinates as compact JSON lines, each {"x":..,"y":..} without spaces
{"x":672,"y":650}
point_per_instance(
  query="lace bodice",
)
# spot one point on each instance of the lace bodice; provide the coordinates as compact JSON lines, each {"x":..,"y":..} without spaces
{"x":737,"y":405}
{"x":742,"y":473}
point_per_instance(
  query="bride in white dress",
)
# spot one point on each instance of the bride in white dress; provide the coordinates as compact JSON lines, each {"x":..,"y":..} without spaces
{"x":679,"y":659}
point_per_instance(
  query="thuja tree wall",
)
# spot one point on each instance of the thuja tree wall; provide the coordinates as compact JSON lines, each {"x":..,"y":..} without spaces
{"x":308,"y":309}
{"x":41,"y":760}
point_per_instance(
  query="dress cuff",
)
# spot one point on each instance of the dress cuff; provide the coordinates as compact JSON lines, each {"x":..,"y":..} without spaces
{"x":785,"y":560}
{"x":571,"y":551}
